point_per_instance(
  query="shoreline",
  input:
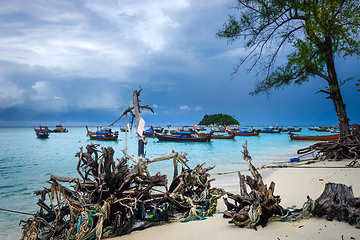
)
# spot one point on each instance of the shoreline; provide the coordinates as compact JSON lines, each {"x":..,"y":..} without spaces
{"x":293,"y":184}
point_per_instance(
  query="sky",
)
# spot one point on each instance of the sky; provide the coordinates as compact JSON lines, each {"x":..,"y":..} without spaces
{"x":78,"y":62}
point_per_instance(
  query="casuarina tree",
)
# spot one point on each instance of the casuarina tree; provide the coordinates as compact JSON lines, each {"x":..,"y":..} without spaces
{"x":319,"y":30}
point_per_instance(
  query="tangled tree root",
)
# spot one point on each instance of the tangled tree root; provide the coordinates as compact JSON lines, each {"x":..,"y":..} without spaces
{"x":260,"y":205}
{"x":334,"y":149}
{"x":111,"y":200}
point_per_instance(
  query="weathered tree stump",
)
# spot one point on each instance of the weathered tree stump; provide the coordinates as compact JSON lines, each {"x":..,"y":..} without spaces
{"x":337,"y":201}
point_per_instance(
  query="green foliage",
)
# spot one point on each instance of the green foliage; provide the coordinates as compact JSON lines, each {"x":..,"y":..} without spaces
{"x":222,"y":119}
{"x":317,"y":30}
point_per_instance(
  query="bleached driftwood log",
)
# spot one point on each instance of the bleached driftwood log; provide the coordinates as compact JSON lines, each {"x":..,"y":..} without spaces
{"x":130,"y":109}
{"x":141,"y":163}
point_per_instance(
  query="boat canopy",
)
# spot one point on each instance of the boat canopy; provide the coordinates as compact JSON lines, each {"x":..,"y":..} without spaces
{"x":101,"y":132}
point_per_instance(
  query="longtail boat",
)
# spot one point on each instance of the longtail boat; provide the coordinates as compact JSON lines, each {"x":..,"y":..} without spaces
{"x":240,"y":133}
{"x":270,"y":130}
{"x":124,"y":129}
{"x":221,"y":136}
{"x":103,"y":134}
{"x":291,"y":129}
{"x":322,"y":129}
{"x":59,"y":129}
{"x":179,"y":131}
{"x":181,"y":138}
{"x":217,"y":129}
{"x":216,"y":136}
{"x":244,"y":132}
{"x":42,"y":132}
{"x":315,"y":138}
{"x":150,"y":132}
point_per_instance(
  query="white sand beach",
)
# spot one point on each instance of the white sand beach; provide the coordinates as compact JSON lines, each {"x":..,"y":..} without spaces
{"x":293,"y":185}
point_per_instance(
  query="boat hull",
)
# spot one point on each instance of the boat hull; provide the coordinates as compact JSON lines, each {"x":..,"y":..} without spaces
{"x":104,"y":138}
{"x":315,"y":138}
{"x":164,"y":137}
{"x":216,"y":136}
{"x":270,"y":131}
{"x":102,"y":135}
{"x":59,"y":131}
{"x":148,"y":134}
{"x":255,"y":134}
{"x":290,"y":130}
{"x":42,"y":132}
{"x":244,"y":133}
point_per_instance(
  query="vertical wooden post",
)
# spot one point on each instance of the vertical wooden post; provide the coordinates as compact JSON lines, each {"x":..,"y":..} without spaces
{"x":141,"y":139}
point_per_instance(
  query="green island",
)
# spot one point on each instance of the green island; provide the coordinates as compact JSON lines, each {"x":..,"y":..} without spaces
{"x":221,"y":119}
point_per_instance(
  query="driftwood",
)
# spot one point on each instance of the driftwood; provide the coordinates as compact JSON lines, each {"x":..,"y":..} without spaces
{"x":333,"y":149}
{"x":110,"y":199}
{"x":141,"y":163}
{"x":137,"y":108}
{"x":258,"y":206}
{"x":346,"y":147}
{"x":338,"y":202}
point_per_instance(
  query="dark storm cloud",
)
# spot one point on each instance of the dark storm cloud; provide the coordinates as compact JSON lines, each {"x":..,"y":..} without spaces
{"x":78,"y":62}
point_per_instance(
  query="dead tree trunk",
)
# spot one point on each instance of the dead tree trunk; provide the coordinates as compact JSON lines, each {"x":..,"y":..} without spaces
{"x":141,"y":139}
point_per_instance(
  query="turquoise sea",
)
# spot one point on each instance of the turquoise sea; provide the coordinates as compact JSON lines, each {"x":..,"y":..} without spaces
{"x":27,"y":162}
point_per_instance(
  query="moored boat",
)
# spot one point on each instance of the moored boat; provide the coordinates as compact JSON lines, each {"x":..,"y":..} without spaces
{"x":315,"y":138}
{"x":216,"y":136}
{"x":218,"y":129}
{"x":59,"y":129}
{"x":103,"y":134}
{"x":291,"y":129}
{"x":42,"y":132}
{"x":322,"y":129}
{"x":182,"y":138}
{"x":245,"y":133}
{"x":179,"y":131}
{"x":270,"y":130}
{"x":150,"y":132}
{"x":222,"y":136}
